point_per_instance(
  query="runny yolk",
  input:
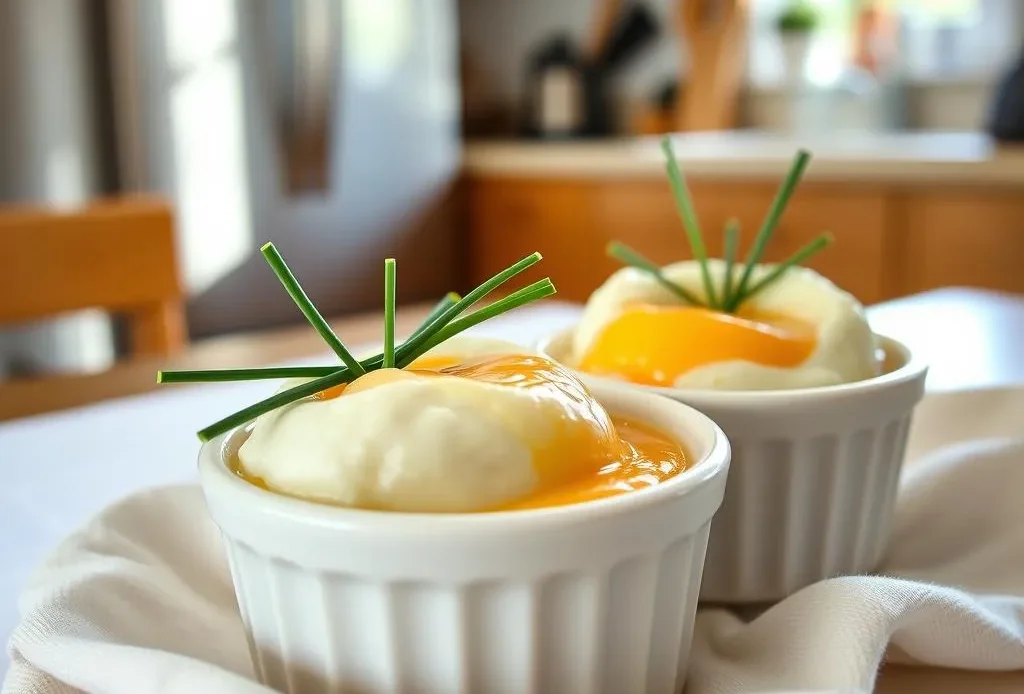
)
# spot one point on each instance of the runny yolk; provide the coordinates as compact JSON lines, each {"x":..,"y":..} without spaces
{"x":655,"y":345}
{"x":625,"y":455}
{"x":648,"y":459}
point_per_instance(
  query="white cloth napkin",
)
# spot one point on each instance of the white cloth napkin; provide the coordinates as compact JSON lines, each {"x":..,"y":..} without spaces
{"x":140,"y":601}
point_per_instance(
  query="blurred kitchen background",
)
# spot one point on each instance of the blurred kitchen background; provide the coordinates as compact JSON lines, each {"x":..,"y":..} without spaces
{"x":459,"y":135}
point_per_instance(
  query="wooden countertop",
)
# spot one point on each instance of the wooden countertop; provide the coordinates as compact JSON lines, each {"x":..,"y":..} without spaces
{"x":971,"y":339}
{"x":913,"y":158}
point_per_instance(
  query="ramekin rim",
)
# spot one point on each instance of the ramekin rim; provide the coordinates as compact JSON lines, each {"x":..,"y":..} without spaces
{"x":692,"y":481}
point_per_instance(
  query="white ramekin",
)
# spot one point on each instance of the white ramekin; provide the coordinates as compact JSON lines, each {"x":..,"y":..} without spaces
{"x":813,"y":477}
{"x":593,"y":597}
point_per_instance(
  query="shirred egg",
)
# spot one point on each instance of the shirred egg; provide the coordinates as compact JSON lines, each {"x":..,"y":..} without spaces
{"x":800,"y":331}
{"x":477,"y":434}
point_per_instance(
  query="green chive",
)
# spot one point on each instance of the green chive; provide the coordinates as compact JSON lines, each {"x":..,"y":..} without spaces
{"x":797,"y":258}
{"x":431,"y":334}
{"x":538,"y":290}
{"x":219,"y":375}
{"x":800,"y":162}
{"x":628,"y":256}
{"x":269,"y":373}
{"x":689,"y":216}
{"x":285,"y":397}
{"x":474,"y":296}
{"x":389,"y":313}
{"x":732,"y":242}
{"x":449,"y":299}
{"x":295,"y":291}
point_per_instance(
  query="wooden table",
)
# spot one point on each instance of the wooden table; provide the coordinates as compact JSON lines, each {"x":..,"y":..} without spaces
{"x":972,"y":338}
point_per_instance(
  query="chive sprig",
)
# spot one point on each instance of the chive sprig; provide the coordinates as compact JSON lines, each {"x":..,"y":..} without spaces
{"x":630,"y":256}
{"x":771,"y":221}
{"x":688,"y":213}
{"x":298,"y":295}
{"x":732,"y":243}
{"x":444,"y":322}
{"x":732,"y":292}
{"x":388,"y":362}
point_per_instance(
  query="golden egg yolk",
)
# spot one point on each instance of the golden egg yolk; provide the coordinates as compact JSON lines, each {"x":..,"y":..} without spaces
{"x":647,"y":459}
{"x":617,"y":455}
{"x":655,"y":345}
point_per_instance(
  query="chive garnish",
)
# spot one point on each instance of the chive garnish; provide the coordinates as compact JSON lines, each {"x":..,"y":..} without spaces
{"x":215,"y":375}
{"x":732,"y":242}
{"x":514,"y":300}
{"x":538,"y":290}
{"x":389,"y":314}
{"x":684,"y":204}
{"x":444,"y":322}
{"x":629,"y":256}
{"x":275,"y":401}
{"x":295,"y":291}
{"x":416,"y":341}
{"x":267,"y":373}
{"x":800,"y":256}
{"x":796,"y":170}
{"x":449,"y":299}
{"x":731,"y":294}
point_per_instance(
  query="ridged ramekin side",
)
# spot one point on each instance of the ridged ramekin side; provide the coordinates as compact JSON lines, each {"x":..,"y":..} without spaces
{"x":624,"y":627}
{"x":797,"y":511}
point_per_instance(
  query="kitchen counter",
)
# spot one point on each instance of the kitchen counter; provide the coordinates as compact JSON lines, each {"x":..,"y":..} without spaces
{"x":909,"y":212}
{"x":922,"y":157}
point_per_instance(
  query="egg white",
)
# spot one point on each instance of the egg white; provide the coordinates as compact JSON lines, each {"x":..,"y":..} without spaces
{"x":415,"y":444}
{"x":845,"y":350}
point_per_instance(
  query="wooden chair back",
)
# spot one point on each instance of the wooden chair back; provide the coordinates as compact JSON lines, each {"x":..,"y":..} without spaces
{"x":117,"y":255}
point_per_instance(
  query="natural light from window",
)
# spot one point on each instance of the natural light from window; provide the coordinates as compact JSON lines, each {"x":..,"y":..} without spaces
{"x":942,"y":40}
{"x":208,"y":138}
{"x":378,"y":37}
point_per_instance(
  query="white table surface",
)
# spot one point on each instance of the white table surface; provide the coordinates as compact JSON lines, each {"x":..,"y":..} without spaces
{"x":61,"y":469}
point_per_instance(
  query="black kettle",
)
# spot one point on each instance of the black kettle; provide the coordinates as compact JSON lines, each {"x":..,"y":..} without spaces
{"x":1006,"y":120}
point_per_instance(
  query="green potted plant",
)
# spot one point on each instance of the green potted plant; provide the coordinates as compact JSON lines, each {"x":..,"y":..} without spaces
{"x":796,"y":25}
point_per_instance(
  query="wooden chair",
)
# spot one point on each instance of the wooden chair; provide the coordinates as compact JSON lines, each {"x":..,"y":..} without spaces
{"x":117,"y":255}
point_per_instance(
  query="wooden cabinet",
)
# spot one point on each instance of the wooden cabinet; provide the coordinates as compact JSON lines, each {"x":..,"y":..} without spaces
{"x":963,"y":238}
{"x":571,"y":223}
{"x":644,"y":215}
{"x":889,"y":240}
{"x":511,"y":219}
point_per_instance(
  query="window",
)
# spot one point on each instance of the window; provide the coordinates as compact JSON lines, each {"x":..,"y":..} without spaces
{"x":207,"y":137}
{"x":939,"y":40}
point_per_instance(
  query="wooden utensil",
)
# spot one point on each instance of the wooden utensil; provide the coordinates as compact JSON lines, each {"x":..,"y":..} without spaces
{"x":604,"y":21}
{"x":714,"y":33}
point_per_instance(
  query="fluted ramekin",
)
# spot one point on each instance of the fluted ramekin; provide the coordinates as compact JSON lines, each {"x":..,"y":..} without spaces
{"x":813,"y":477}
{"x":585,"y":598}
